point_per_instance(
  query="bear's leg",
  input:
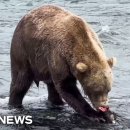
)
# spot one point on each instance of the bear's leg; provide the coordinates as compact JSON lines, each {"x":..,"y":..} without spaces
{"x":65,"y":84}
{"x":73,"y":97}
{"x":53,"y":95}
{"x":20,"y":84}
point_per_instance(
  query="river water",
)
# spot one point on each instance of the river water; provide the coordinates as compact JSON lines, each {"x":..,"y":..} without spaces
{"x":111,"y":20}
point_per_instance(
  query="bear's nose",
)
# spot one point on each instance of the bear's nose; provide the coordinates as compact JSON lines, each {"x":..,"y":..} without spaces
{"x":104,"y":103}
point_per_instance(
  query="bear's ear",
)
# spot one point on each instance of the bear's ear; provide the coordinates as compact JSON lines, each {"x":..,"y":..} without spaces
{"x":112,"y":61}
{"x":81,"y":67}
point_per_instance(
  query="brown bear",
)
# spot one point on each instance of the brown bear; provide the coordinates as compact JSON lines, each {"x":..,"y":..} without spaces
{"x":57,"y":47}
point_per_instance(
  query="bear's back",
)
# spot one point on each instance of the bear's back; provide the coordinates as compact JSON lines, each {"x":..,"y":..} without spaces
{"x":51,"y":23}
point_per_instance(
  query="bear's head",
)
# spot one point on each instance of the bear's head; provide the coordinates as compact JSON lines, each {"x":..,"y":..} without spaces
{"x":96,"y":82}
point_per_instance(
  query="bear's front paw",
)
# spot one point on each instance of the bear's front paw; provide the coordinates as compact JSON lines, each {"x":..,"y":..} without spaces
{"x":103,"y":115}
{"x":107,"y":115}
{"x":104,"y":118}
{"x":93,"y":115}
{"x":97,"y":119}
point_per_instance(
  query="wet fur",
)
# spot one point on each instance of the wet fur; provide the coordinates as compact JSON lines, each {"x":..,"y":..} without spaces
{"x":46,"y":46}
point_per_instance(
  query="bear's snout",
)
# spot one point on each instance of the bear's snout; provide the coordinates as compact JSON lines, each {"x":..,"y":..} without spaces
{"x":100,"y":104}
{"x":99,"y":101}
